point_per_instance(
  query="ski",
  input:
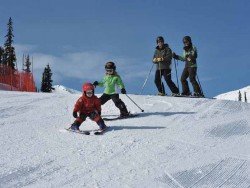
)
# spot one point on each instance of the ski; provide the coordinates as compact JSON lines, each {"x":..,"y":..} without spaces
{"x":78,"y":131}
{"x":119,"y":118}
{"x":96,"y":132}
{"x":100,"y":132}
{"x":188,"y":96}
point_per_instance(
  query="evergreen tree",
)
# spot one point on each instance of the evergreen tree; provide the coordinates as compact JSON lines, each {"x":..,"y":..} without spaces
{"x":27,"y":64}
{"x":46,"y":85}
{"x":245,"y":95}
{"x":1,"y":54}
{"x":9,"y":56}
{"x":239,"y":97}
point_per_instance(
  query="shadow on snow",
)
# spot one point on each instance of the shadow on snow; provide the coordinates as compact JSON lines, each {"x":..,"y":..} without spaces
{"x":119,"y":128}
{"x":145,"y":114}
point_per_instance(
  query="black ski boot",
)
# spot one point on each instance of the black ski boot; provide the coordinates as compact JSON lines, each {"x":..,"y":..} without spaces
{"x":75,"y":126}
{"x":198,"y":95}
{"x":123,"y":110}
{"x":102,"y":125}
{"x":186,"y":93}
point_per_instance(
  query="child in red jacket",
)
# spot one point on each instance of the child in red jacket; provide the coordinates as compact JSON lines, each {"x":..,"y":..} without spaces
{"x":88,"y":105}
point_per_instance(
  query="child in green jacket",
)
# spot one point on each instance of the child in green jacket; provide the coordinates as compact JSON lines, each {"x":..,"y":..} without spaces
{"x":110,"y":80}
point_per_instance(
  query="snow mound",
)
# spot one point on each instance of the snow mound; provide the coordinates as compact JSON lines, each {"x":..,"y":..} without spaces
{"x":176,"y":142}
{"x":64,"y":90}
{"x":234,"y":95}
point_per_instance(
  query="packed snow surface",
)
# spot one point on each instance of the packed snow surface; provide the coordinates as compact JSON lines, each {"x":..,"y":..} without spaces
{"x":176,"y":142}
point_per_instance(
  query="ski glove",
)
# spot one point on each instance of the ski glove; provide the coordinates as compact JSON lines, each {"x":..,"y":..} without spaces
{"x":154,"y":60}
{"x":158,"y":59}
{"x":95,"y":83}
{"x":123,"y":91}
{"x":75,"y":114}
{"x":175,"y":56}
{"x":94,"y":115}
{"x":189,"y":57}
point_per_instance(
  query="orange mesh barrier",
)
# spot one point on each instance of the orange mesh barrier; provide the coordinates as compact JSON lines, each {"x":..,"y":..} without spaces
{"x":17,"y":80}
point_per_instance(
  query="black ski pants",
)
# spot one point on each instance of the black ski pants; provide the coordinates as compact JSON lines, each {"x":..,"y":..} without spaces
{"x":166,"y":73}
{"x":115,"y":98}
{"x":191,"y":73}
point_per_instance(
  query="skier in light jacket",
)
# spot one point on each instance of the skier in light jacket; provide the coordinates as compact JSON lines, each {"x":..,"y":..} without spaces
{"x":110,"y":81}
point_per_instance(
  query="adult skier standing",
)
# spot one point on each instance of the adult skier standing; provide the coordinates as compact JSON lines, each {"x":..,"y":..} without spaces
{"x":189,"y":57}
{"x":110,"y":81}
{"x":162,"y":58}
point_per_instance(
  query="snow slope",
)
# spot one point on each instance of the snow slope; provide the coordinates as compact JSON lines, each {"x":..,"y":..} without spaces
{"x":176,"y":142}
{"x":234,"y":95}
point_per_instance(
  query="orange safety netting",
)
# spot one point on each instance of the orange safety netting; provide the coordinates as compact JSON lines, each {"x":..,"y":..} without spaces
{"x":17,"y":80}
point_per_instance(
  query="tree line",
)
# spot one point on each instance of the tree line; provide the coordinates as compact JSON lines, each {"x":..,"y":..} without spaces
{"x":8,"y":58}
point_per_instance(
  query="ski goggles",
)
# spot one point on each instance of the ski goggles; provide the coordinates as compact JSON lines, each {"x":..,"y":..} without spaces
{"x":159,"y":41}
{"x":89,"y":93}
{"x":109,"y":70}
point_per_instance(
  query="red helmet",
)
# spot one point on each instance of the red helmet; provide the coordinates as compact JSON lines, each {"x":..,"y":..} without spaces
{"x":88,"y":86}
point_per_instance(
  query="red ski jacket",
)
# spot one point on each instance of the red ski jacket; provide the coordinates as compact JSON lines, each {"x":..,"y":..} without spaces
{"x":86,"y":105}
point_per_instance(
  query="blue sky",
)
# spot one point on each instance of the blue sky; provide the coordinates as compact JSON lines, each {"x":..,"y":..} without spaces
{"x":77,"y":37}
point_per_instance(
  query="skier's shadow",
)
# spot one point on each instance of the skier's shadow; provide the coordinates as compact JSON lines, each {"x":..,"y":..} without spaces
{"x":119,"y":128}
{"x":145,"y":114}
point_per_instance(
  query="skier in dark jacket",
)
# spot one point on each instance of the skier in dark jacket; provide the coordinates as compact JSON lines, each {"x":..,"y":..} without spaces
{"x":162,"y":58}
{"x":189,"y":57}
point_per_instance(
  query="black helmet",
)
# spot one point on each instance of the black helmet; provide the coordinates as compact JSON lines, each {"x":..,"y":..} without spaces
{"x":187,"y":38}
{"x":110,"y":65}
{"x":160,"y":38}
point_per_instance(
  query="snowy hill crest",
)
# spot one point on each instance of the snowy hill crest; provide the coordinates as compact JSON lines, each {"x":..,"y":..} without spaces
{"x":234,"y":95}
{"x":65,"y":90}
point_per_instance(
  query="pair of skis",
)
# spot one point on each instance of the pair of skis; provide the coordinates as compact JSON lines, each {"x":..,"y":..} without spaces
{"x":98,"y":132}
{"x":188,"y":96}
{"x":101,"y":132}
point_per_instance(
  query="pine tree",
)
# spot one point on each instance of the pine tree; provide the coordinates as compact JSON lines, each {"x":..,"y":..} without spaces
{"x":1,"y":54}
{"x":46,"y":85}
{"x":239,"y":97}
{"x":245,"y":95}
{"x":9,"y":56}
{"x":27,"y":64}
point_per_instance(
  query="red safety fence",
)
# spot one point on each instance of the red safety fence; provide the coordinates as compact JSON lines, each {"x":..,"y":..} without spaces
{"x":17,"y":80}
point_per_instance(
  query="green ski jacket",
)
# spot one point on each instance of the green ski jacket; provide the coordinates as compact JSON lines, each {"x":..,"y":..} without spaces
{"x":110,"y":82}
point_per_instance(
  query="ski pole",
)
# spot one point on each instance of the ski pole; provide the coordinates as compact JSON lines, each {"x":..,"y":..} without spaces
{"x":146,"y":79}
{"x":199,"y":84}
{"x":135,"y":103}
{"x":176,"y":74}
{"x":162,"y":85}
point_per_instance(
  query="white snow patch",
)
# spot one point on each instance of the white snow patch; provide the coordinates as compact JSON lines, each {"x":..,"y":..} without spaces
{"x":64,"y":90}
